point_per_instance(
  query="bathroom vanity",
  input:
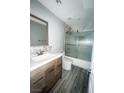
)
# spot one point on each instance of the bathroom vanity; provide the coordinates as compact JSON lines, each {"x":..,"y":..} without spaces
{"x":45,"y":74}
{"x":45,"y":68}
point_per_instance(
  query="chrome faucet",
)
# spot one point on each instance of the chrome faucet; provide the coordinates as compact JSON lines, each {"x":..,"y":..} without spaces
{"x":39,"y":52}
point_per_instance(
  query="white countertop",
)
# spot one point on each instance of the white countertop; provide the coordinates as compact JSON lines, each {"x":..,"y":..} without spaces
{"x":35,"y":64}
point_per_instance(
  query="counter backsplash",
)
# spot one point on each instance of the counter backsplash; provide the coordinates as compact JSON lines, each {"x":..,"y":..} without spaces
{"x":35,"y":49}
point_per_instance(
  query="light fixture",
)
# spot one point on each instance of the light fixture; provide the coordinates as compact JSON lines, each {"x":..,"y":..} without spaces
{"x":59,"y":2}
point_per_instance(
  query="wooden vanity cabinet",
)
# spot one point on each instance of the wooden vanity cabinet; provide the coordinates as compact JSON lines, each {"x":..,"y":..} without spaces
{"x":46,"y":76}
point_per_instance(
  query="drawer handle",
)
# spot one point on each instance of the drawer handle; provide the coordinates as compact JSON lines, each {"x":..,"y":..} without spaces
{"x":38,"y":80}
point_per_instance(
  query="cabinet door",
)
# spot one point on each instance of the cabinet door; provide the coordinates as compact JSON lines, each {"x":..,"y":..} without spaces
{"x":50,"y":77}
{"x":59,"y":65}
{"x":59,"y":68}
{"x":38,"y":82}
{"x":39,"y":86}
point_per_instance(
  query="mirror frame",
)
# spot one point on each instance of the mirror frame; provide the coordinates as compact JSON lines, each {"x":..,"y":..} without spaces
{"x":32,"y":15}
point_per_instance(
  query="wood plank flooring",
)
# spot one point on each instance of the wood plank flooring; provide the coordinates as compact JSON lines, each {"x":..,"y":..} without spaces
{"x":74,"y":81}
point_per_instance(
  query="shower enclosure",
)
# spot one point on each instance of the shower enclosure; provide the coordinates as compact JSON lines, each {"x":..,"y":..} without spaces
{"x":79,"y":45}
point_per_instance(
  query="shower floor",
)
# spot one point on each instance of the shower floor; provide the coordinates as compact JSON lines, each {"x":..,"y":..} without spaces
{"x":74,"y":81}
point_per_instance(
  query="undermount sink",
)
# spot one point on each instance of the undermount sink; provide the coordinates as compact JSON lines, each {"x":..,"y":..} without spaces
{"x":43,"y":57}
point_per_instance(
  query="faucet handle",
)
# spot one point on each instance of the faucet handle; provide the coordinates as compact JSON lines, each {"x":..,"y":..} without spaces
{"x":40,"y":51}
{"x":37,"y":53}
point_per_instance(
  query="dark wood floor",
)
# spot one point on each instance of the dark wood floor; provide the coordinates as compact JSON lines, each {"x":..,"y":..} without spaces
{"x":74,"y":81}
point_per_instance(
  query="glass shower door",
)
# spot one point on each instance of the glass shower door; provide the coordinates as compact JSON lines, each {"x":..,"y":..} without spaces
{"x":79,"y":45}
{"x":84,"y":46}
{"x":70,"y":45}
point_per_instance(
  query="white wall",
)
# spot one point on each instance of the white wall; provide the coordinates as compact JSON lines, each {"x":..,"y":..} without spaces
{"x":55,"y":25}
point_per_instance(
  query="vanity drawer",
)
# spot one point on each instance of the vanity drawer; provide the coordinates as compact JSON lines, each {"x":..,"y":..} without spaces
{"x":36,"y":78}
{"x":58,"y":68}
{"x":38,"y":86}
{"x":50,"y":74}
{"x":59,"y":65}
{"x":50,"y":77}
{"x":37,"y":74}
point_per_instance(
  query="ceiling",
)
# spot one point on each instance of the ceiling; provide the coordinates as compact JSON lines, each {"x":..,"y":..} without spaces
{"x":79,"y":14}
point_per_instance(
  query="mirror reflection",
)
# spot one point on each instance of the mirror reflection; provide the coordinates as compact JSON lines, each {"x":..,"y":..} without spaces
{"x":38,"y":31}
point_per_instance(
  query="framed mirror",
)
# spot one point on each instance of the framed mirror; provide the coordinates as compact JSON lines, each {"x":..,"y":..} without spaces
{"x":38,"y":31}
